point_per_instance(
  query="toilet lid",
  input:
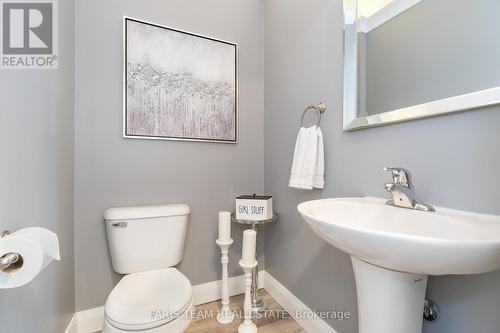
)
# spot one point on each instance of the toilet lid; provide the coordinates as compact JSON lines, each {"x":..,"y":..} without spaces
{"x":148,"y":299}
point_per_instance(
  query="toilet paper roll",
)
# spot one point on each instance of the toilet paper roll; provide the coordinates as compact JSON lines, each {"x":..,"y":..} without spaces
{"x":37,"y":247}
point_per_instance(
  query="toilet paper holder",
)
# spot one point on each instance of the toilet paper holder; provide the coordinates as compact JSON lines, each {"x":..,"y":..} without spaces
{"x":9,"y":261}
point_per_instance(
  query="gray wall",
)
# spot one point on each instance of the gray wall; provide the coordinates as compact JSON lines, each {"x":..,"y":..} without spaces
{"x":36,"y":168}
{"x":452,"y":43}
{"x":111,"y":171}
{"x":454,"y":159}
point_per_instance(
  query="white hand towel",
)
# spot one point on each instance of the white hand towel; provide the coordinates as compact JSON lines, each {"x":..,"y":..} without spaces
{"x":308,"y":160}
{"x":319,"y":174}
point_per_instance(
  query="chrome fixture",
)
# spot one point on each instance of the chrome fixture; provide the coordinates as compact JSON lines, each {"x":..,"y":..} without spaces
{"x":403,"y":194}
{"x":320,"y":108}
{"x":9,"y":260}
{"x":431,"y":311}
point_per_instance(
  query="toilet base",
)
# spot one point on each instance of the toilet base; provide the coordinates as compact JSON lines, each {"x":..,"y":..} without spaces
{"x":178,"y":325}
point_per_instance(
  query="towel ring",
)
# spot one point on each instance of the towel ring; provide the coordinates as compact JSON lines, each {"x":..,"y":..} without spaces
{"x":320,"y":108}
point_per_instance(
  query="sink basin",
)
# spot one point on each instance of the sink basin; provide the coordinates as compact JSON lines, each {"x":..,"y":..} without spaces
{"x":432,"y":243}
{"x":393,"y":250}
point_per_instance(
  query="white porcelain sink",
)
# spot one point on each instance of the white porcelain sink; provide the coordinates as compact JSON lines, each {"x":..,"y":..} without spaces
{"x":394,"y":250}
{"x":432,"y":243}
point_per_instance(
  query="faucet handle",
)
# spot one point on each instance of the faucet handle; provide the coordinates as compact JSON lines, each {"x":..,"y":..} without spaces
{"x":400,"y":176}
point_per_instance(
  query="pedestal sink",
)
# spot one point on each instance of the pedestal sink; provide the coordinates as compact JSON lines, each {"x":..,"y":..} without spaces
{"x":394,"y":250}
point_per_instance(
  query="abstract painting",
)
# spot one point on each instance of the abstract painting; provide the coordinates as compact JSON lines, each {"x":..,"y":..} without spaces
{"x":178,"y":86}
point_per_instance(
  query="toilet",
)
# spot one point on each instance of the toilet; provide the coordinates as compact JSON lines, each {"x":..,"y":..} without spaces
{"x":153,"y":296}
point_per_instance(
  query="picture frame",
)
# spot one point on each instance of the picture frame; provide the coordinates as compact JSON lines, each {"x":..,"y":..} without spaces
{"x":178,"y":85}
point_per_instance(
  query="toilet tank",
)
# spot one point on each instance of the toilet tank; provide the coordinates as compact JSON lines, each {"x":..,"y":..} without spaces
{"x":147,"y":237}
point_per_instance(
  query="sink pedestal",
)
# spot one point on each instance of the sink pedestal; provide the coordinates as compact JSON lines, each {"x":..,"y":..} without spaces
{"x":388,"y":301}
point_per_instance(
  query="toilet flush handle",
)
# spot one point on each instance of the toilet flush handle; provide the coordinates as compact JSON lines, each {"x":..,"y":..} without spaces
{"x":120,"y":224}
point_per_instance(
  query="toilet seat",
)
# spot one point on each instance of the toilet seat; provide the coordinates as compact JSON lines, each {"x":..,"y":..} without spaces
{"x":147,"y":300}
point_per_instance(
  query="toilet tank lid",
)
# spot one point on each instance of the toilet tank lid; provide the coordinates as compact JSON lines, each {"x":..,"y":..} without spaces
{"x":142,"y":212}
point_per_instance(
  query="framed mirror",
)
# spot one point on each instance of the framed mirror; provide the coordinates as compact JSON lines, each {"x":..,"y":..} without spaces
{"x":411,"y":59}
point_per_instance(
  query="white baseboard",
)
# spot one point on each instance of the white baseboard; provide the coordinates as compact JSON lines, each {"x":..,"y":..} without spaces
{"x":293,"y":305}
{"x":90,"y":321}
{"x":73,"y":325}
{"x":211,"y":291}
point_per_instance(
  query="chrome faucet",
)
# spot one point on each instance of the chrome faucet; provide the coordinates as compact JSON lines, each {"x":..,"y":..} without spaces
{"x":403,"y":194}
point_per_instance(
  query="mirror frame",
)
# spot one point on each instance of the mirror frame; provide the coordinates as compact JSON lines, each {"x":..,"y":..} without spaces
{"x":351,"y":121}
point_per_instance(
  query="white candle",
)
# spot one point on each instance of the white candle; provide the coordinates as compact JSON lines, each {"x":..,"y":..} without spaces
{"x":249,"y":244}
{"x":224,"y":226}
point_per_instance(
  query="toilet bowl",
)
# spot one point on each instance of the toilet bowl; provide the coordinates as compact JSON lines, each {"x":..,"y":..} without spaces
{"x":153,"y":297}
{"x":153,"y":301}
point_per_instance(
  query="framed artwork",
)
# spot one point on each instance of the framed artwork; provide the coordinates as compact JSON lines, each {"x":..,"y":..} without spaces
{"x":178,"y":85}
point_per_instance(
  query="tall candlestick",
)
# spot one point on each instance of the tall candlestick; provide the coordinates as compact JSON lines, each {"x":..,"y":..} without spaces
{"x":248,"y":326}
{"x":225,"y":315}
{"x":224,"y":226}
{"x":249,"y":246}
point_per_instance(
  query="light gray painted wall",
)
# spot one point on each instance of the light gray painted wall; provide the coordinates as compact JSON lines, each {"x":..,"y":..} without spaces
{"x":36,"y":168}
{"x":455,"y":161}
{"x":111,"y":171}
{"x":452,"y":43}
